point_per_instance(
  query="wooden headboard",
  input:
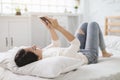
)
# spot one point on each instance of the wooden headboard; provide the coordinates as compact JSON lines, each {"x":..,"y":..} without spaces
{"x":109,"y":24}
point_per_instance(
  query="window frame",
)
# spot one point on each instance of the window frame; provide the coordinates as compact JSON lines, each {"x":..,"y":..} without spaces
{"x":8,"y":6}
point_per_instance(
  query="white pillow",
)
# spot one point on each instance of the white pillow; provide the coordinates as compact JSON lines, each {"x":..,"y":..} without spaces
{"x":112,"y":42}
{"x":49,"y":67}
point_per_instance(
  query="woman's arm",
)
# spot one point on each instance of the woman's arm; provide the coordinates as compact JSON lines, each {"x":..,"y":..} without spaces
{"x":51,"y":30}
{"x":54,"y":37}
{"x":54,"y":24}
{"x":66,"y":33}
{"x":53,"y":34}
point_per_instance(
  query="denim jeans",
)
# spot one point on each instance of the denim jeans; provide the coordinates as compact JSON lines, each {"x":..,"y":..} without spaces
{"x":91,"y":41}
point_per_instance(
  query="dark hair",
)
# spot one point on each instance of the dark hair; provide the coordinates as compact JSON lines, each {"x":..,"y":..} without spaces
{"x":25,"y":57}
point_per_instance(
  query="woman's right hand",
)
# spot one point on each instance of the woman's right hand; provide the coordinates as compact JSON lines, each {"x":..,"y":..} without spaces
{"x":54,"y":23}
{"x":46,"y":24}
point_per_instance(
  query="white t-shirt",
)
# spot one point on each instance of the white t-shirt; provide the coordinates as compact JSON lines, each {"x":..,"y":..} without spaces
{"x":54,"y":49}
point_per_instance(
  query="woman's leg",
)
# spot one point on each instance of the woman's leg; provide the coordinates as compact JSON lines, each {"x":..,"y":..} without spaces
{"x":101,"y":39}
{"x":102,"y":45}
{"x":82,"y":37}
{"x":95,"y":39}
{"x":92,"y":40}
{"x":81,"y":34}
{"x":92,"y":43}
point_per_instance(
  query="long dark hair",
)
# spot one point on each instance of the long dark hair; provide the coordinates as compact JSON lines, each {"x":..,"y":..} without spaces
{"x":24,"y":57}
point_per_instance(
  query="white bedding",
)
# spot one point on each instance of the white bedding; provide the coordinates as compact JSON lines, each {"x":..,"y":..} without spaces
{"x":105,"y":69}
{"x":7,"y":75}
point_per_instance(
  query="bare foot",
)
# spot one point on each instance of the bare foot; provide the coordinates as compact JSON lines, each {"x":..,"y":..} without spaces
{"x":107,"y":54}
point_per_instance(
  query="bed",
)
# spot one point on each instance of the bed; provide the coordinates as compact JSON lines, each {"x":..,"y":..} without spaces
{"x":105,"y":69}
{"x":110,"y":23}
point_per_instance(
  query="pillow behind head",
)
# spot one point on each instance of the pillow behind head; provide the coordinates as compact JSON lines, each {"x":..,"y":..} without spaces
{"x":48,"y":68}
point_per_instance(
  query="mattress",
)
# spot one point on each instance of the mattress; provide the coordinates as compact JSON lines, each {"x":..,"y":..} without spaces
{"x":105,"y":69}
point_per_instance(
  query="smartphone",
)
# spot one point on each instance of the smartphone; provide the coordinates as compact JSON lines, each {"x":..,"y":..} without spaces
{"x":45,"y":20}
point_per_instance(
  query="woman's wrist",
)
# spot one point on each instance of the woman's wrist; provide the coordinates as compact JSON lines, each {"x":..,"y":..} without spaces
{"x":51,"y":28}
{"x":59,"y":28}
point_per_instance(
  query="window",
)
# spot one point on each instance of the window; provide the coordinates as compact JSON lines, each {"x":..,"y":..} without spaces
{"x":55,"y":6}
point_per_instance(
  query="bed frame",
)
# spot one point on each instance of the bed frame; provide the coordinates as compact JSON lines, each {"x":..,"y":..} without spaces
{"x":109,"y":23}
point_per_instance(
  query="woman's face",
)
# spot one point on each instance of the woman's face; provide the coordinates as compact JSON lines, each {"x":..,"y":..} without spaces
{"x":35,"y":50}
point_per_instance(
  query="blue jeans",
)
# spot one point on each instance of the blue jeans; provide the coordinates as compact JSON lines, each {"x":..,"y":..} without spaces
{"x":91,"y":41}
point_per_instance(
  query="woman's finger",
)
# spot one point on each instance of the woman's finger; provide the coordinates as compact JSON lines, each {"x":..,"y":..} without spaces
{"x":44,"y":23}
{"x":49,"y":19}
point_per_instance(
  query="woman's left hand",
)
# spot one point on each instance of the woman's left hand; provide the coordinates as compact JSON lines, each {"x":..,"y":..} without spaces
{"x":47,"y":24}
{"x":53,"y":23}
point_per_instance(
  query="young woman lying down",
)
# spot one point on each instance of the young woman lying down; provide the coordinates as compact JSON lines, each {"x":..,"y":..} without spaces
{"x":84,"y":45}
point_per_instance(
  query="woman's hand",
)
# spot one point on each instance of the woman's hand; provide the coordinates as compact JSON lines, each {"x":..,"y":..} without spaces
{"x":54,"y":23}
{"x":49,"y":24}
{"x":49,"y":27}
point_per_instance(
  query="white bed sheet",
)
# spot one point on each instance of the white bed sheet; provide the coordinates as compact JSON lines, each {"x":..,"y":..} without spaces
{"x":105,"y":69}
{"x":8,"y":75}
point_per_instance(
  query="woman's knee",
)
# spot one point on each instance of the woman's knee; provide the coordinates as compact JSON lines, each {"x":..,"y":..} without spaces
{"x":84,"y":25}
{"x":94,"y":25}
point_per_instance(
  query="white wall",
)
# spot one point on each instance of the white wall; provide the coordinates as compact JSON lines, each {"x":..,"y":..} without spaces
{"x":97,"y":10}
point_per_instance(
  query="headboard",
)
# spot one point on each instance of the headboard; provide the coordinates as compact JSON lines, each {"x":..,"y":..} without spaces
{"x":112,"y":21}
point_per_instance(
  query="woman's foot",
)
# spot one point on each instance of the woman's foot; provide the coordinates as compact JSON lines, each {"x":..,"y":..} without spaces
{"x":106,"y":54}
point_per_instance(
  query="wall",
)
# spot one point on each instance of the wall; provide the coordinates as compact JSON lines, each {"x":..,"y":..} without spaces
{"x":97,"y":10}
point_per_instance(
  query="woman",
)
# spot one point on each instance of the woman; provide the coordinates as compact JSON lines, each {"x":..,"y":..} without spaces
{"x":84,"y":46}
